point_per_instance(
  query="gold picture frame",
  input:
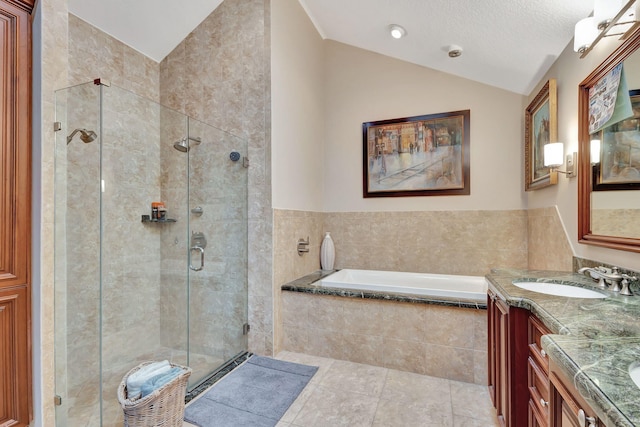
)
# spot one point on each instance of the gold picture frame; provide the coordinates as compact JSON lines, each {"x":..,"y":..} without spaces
{"x":541,"y":127}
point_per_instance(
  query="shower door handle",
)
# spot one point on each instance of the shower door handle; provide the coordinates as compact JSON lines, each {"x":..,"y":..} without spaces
{"x":201,"y":250}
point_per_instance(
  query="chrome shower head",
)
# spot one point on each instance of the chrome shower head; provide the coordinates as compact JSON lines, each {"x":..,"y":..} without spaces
{"x":85,"y":135}
{"x":183,"y":145}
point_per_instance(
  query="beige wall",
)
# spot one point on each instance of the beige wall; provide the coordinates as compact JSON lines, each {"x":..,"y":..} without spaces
{"x":569,"y":70}
{"x":362,"y":86}
{"x":298,"y":103}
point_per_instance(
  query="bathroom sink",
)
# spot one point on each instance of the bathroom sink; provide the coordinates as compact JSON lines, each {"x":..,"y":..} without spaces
{"x":634,"y":373}
{"x":559,"y":289}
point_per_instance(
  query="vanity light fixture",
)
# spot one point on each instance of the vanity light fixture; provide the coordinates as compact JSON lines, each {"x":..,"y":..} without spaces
{"x":397,"y":31}
{"x":610,"y":18}
{"x":595,"y":151}
{"x":553,"y":159}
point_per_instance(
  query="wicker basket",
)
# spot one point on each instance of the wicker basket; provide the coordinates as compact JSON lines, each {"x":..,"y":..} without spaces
{"x":164,"y":407}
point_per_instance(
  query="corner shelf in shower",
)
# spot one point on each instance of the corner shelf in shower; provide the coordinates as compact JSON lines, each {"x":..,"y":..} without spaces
{"x":161,"y":221}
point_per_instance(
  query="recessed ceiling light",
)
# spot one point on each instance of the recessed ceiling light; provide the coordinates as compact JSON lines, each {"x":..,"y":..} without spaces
{"x":397,"y":31}
{"x":455,"y":51}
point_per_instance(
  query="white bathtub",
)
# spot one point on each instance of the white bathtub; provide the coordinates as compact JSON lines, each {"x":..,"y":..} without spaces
{"x":420,"y":284}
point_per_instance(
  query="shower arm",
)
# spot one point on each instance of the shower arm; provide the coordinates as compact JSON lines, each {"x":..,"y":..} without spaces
{"x":70,"y":137}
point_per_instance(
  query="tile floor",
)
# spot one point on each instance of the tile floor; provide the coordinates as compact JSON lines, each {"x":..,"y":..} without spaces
{"x":352,"y":394}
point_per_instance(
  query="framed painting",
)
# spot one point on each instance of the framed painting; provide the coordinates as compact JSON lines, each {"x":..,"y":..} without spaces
{"x":541,"y":127}
{"x":417,"y":156}
{"x":619,"y":167}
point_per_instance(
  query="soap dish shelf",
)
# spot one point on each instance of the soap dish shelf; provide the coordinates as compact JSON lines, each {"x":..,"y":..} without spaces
{"x":158,"y":220}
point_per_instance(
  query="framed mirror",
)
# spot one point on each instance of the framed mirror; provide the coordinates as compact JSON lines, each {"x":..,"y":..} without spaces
{"x":609,"y":215}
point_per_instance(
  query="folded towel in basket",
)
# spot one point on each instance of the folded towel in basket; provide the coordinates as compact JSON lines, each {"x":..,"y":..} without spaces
{"x":139,"y":377}
{"x":158,"y":381}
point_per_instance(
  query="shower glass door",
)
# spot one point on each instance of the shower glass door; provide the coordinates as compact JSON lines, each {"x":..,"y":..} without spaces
{"x":129,"y":288}
{"x":217,"y":248}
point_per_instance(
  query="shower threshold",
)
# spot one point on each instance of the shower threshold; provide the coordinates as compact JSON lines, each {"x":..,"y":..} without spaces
{"x":217,"y":375}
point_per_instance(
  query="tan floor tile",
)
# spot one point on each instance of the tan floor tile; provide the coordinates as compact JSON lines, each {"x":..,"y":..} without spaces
{"x":392,"y":413}
{"x":355,"y":377}
{"x":459,"y":421}
{"x":330,"y":407}
{"x":407,"y":387}
{"x":471,"y":400}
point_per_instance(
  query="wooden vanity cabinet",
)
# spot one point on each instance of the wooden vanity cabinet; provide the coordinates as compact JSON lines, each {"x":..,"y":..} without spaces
{"x":507,"y":356}
{"x":567,"y":407}
{"x":15,"y":213}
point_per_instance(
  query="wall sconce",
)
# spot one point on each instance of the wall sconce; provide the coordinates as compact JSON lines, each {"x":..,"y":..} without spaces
{"x":595,"y":151}
{"x":607,"y":14}
{"x":553,"y":159}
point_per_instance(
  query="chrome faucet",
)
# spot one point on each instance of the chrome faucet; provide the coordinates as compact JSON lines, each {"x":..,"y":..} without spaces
{"x":611,"y":277}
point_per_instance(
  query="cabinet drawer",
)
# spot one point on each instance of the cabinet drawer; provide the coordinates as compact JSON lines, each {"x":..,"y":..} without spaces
{"x":536,"y":419}
{"x":536,"y":331}
{"x":538,"y":388}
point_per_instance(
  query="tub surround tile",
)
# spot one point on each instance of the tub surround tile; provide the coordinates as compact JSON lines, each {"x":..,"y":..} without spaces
{"x":389,"y":332}
{"x":593,"y":341}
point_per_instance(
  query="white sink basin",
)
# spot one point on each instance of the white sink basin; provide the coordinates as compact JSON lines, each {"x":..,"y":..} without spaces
{"x":559,"y":290}
{"x":634,"y":373}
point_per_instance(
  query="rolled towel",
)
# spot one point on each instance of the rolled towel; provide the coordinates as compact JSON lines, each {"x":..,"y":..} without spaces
{"x":158,"y":381}
{"x":135,"y":380}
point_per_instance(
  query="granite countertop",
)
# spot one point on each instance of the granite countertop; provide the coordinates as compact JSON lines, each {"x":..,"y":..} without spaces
{"x":594,"y":340}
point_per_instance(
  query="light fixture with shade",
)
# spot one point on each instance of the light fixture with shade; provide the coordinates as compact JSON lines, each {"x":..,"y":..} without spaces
{"x":595,"y":151}
{"x":554,"y":158}
{"x":610,"y":18}
{"x":397,"y":31}
{"x":585,"y":33}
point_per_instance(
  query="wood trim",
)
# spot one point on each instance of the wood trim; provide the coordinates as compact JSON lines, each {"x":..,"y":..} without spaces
{"x":584,"y":161}
{"x":15,"y":213}
{"x":15,"y":152}
{"x":26,"y":5}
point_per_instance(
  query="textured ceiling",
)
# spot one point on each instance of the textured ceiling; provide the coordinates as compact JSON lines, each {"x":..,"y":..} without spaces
{"x":506,"y":43}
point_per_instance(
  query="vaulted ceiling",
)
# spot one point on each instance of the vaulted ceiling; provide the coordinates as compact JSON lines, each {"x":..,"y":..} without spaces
{"x":509,"y":44}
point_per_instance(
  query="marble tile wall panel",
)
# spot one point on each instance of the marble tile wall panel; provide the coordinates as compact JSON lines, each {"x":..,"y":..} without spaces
{"x":220,"y":75}
{"x":549,"y":248}
{"x":616,"y":222}
{"x":95,"y":54}
{"x":289,"y":227}
{"x":429,"y":241}
{"x":130,"y":253}
{"x":427,"y":339}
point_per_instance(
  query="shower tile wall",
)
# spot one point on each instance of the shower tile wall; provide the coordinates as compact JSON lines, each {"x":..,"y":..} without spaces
{"x":95,"y":54}
{"x":220,"y":75}
{"x":131,"y":255}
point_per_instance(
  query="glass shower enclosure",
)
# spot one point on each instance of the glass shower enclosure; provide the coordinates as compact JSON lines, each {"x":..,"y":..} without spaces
{"x":133,"y":283}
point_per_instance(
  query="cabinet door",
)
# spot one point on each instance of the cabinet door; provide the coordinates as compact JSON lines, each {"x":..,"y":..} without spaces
{"x":14,"y":358}
{"x":498,"y":337}
{"x":492,"y":342}
{"x":15,"y":212}
{"x":502,"y":362}
{"x":567,"y":406}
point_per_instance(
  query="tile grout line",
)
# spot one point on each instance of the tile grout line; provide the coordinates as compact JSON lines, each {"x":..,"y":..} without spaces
{"x":375,"y":413}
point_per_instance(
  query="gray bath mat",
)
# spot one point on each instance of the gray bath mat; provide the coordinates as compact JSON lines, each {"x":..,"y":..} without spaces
{"x":255,"y":394}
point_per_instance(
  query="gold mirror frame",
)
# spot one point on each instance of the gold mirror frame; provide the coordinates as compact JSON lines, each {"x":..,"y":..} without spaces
{"x":584,"y":164}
